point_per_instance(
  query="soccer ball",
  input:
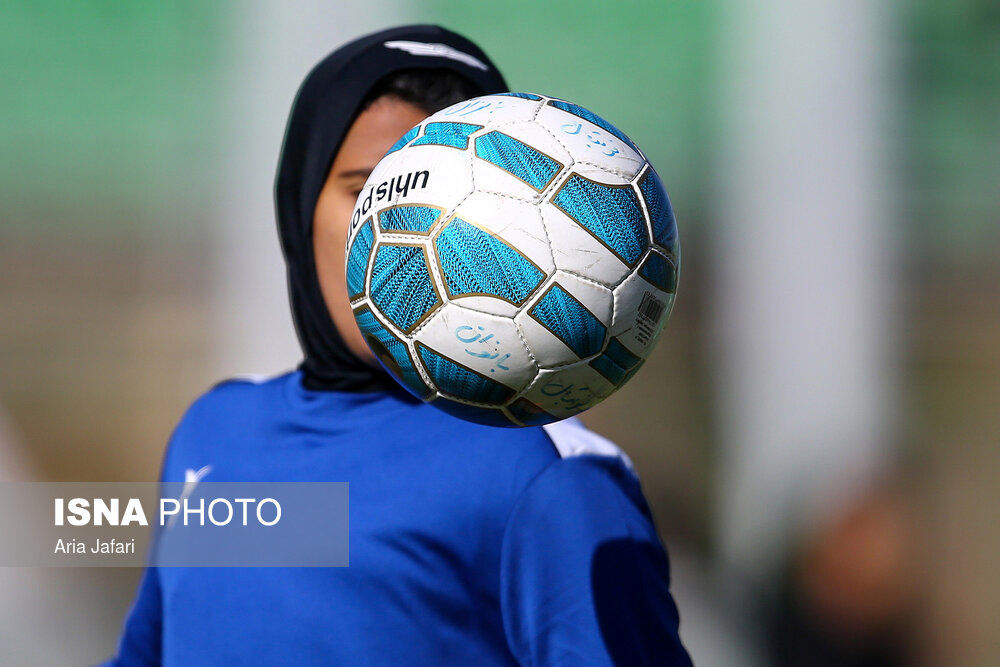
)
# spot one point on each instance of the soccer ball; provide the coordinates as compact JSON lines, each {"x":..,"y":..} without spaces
{"x":512,"y":259}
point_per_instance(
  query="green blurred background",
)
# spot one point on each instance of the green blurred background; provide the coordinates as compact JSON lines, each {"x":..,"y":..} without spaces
{"x":139,"y":265}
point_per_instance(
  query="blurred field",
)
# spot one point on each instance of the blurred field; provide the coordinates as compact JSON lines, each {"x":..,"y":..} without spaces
{"x":103,"y":347}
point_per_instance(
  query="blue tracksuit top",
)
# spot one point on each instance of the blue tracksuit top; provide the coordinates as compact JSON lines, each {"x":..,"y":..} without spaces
{"x":469,"y":545}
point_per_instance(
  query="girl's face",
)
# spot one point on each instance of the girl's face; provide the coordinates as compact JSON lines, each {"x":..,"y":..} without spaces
{"x":371,"y":135}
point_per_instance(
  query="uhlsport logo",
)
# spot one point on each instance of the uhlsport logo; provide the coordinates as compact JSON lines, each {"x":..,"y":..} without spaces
{"x":396,"y":187}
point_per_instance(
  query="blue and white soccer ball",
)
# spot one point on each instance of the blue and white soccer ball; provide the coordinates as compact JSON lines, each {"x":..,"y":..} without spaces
{"x":513,"y":259}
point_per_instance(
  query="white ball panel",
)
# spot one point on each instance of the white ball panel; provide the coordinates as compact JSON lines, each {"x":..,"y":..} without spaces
{"x":640,"y":313}
{"x":589,"y":143}
{"x":577,"y":250}
{"x":568,"y":391}
{"x":603,"y":174}
{"x":487,"y":344}
{"x":547,"y":349}
{"x":447,"y":182}
{"x":490,"y":178}
{"x":490,"y":305}
{"x":540,"y":138}
{"x":488,"y":110}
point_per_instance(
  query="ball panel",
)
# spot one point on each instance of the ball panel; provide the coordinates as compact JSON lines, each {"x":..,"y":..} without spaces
{"x":611,"y":213}
{"x":641,"y":311}
{"x":617,"y":364}
{"x":450,"y":134}
{"x":602,"y":175}
{"x":357,"y":260}
{"x":516,"y":223}
{"x":589,"y":142}
{"x":408,"y":218}
{"x":569,"y":321}
{"x":579,"y":251}
{"x":486,"y":344}
{"x":401,"y":285}
{"x":523,"y":96}
{"x":568,"y":391}
{"x":486,"y":305}
{"x":491,"y":109}
{"x":474,"y":413}
{"x":391,"y":352}
{"x":660,"y":271}
{"x":473,"y":261}
{"x":455,"y":379}
{"x":661,"y":215}
{"x":592,"y":117}
{"x":527,"y":413}
{"x":525,"y":163}
{"x":541,"y":138}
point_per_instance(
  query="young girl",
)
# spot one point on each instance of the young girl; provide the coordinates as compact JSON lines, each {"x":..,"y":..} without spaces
{"x":469,"y":545}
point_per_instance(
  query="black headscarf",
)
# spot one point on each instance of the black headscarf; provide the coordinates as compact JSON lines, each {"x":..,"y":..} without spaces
{"x":323,"y":111}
